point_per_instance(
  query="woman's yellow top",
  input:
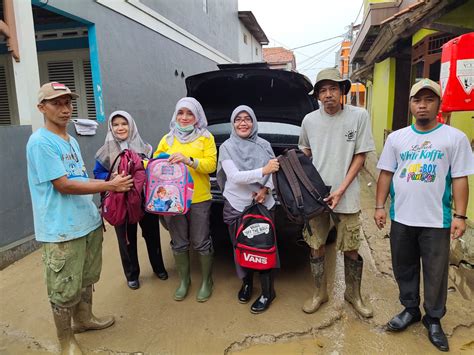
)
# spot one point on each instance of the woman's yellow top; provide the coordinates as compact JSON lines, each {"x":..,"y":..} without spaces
{"x":204,"y":153}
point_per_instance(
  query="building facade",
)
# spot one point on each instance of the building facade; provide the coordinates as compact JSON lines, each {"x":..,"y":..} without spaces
{"x":251,"y":38}
{"x":398,"y":43}
{"x":132,"y":55}
{"x":280,"y":58}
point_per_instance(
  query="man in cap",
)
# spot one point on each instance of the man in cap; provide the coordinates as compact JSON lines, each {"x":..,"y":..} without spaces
{"x":66,"y":220}
{"x":338,"y":138}
{"x":424,"y":166}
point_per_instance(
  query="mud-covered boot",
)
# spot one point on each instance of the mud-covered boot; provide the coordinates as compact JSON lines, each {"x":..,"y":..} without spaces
{"x":262,"y":303}
{"x":320,"y":294}
{"x":353,"y":275}
{"x":84,"y":319}
{"x":62,"y":319}
{"x":205,"y":291}
{"x":182,"y":265}
{"x":245,"y":292}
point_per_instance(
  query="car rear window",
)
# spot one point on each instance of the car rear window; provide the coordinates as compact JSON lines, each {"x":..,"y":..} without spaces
{"x":263,"y":128}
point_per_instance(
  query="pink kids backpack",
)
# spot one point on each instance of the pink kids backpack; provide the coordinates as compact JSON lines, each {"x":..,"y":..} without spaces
{"x":120,"y":207}
{"x":169,"y":187}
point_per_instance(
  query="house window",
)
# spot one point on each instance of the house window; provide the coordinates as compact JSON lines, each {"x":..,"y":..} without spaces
{"x":256,"y":50}
{"x":245,"y":38}
{"x":5,"y":116}
{"x":426,"y":56}
{"x":72,"y":68}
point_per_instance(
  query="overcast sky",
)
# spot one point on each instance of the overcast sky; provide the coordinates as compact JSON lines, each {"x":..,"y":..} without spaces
{"x":294,"y":23}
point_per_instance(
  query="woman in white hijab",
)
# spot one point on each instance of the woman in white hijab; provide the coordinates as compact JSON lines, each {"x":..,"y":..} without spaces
{"x":246,"y":163}
{"x":190,"y":142}
{"x":123,"y":134}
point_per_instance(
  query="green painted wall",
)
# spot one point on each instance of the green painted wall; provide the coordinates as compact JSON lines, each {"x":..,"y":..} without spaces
{"x":417,"y":37}
{"x":463,"y":16}
{"x":383,"y":93}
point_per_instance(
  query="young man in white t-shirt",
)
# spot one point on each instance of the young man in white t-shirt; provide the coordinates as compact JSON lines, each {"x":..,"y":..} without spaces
{"x":424,"y":167}
{"x":337,"y":138}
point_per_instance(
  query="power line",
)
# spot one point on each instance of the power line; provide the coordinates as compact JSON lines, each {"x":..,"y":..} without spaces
{"x":320,"y":56}
{"x":285,"y":46}
{"x":317,"y":54}
{"x":309,"y":44}
{"x":358,"y":14}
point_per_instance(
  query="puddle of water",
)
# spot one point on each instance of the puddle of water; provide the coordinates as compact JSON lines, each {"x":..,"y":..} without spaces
{"x":351,"y":336}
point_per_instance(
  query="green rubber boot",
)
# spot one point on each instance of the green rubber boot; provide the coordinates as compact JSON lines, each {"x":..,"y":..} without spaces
{"x":182,"y":265}
{"x":205,"y":291}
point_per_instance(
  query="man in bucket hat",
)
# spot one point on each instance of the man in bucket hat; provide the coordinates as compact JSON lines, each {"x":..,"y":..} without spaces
{"x":66,"y":220}
{"x":424,"y":167}
{"x":337,"y":138}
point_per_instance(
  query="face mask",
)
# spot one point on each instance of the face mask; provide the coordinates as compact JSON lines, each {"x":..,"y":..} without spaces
{"x":186,"y":129}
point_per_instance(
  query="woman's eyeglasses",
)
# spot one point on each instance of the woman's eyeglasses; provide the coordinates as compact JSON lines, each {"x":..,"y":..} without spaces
{"x":246,"y":119}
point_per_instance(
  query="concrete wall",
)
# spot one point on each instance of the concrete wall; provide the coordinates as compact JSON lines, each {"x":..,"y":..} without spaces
{"x":16,"y":218}
{"x":247,"y":52}
{"x":218,"y":27}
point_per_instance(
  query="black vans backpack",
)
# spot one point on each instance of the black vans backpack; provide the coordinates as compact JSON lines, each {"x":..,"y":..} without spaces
{"x":300,"y":188}
{"x":255,"y":246}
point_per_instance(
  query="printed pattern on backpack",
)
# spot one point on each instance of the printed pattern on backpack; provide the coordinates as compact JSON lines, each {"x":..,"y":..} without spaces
{"x":169,"y":187}
{"x":256,"y":239}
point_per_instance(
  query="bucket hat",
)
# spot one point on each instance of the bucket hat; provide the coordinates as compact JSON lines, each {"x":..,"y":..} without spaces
{"x":331,"y":74}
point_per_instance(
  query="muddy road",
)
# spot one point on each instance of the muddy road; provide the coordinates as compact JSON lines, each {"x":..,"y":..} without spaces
{"x":148,"y":321}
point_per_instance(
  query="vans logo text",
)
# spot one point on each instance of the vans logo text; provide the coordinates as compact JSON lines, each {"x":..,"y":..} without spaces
{"x":255,"y":258}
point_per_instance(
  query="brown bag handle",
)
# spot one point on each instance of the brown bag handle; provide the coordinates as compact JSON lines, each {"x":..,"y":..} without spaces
{"x":292,"y":181}
{"x":301,"y":175}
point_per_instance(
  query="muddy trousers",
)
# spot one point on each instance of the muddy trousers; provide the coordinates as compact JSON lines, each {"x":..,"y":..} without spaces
{"x":431,"y":245}
{"x":128,"y":252}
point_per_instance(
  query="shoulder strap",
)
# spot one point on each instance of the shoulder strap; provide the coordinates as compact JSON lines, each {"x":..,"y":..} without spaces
{"x":292,"y":181}
{"x":113,"y":165}
{"x":300,"y":173}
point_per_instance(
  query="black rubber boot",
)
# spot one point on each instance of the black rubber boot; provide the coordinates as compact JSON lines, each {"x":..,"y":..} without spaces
{"x":245,"y":292}
{"x":268,"y":293}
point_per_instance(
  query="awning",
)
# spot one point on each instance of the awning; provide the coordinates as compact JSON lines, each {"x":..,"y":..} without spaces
{"x":370,"y":28}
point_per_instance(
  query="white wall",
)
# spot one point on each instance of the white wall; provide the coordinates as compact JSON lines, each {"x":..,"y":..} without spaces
{"x":250,"y":51}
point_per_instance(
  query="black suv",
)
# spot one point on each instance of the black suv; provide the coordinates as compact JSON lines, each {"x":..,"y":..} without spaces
{"x":280,"y":101}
